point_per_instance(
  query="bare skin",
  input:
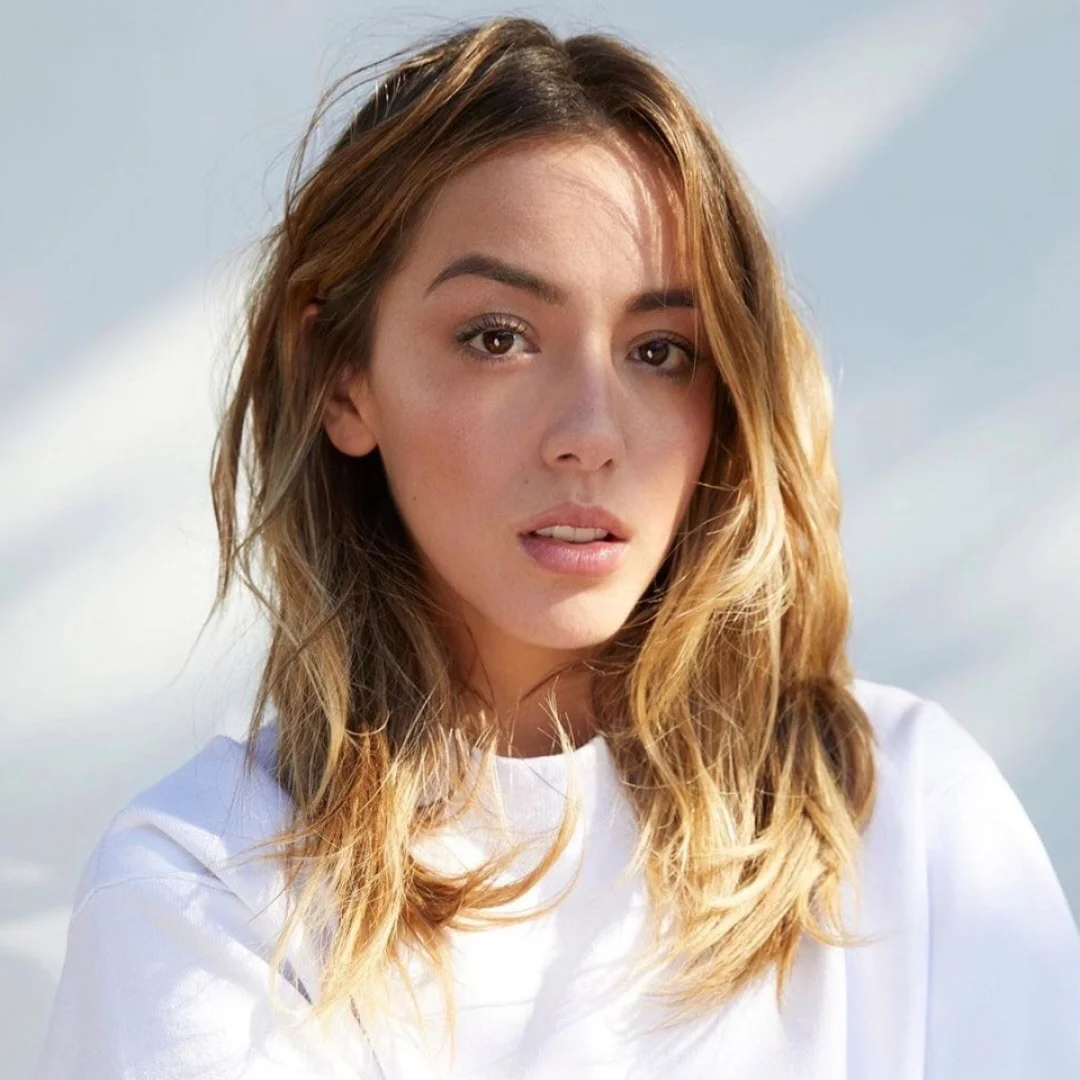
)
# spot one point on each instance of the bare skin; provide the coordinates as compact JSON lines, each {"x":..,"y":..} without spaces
{"x":570,"y":396}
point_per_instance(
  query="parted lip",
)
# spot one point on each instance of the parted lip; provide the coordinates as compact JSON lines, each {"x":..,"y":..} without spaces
{"x":580,"y":516}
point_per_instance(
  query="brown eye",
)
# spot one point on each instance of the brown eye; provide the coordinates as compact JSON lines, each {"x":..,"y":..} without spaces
{"x":655,"y":352}
{"x":494,"y":337}
{"x":666,"y":356}
{"x":498,"y":342}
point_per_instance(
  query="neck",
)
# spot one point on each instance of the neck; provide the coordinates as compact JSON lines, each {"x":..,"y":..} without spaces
{"x":520,"y":685}
{"x":523,"y":691}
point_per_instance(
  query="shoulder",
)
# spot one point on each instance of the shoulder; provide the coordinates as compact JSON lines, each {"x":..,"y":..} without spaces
{"x":167,"y":967}
{"x":920,"y":745}
{"x":960,"y":858}
{"x":946,"y":816}
{"x":197,"y":826}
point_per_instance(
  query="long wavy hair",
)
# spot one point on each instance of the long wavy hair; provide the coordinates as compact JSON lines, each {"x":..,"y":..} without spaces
{"x":726,"y":697}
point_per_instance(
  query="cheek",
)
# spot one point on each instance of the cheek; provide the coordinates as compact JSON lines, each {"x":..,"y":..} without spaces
{"x":445,"y":455}
{"x":675,"y":452}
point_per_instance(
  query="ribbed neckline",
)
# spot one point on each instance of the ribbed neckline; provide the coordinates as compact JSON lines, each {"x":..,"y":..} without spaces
{"x":551,"y":766}
{"x":534,"y":790}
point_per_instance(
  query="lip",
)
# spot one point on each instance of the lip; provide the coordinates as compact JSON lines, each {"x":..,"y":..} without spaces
{"x":580,"y":516}
{"x":595,"y":559}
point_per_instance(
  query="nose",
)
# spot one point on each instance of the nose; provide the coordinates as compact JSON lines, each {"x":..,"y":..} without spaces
{"x":585,"y":432}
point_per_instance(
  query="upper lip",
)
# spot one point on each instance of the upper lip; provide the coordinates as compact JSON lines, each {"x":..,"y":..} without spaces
{"x":580,"y":516}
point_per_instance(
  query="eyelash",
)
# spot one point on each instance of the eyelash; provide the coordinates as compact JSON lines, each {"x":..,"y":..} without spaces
{"x":507,"y":322}
{"x":487,"y":322}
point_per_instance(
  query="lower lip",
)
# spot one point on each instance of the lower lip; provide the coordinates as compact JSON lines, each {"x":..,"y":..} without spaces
{"x":595,"y":559}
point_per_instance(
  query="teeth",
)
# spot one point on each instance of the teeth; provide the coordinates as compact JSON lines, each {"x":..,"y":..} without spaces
{"x":574,"y":536}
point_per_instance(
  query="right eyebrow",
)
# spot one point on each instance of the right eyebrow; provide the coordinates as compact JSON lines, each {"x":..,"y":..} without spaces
{"x":494,"y":269}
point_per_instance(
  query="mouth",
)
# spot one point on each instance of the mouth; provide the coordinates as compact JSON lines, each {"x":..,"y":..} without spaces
{"x":590,"y":557}
{"x":577,"y":541}
{"x":572,"y":538}
{"x":578,"y":523}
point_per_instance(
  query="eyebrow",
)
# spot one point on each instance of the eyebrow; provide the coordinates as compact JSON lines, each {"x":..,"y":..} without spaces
{"x":486,"y":266}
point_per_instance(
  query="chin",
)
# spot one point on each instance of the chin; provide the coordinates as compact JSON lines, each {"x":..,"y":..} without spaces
{"x":570,"y":627}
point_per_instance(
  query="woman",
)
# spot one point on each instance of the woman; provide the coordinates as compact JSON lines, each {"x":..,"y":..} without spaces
{"x":558,"y":767}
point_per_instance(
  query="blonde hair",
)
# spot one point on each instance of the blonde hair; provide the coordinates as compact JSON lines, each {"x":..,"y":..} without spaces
{"x":725,"y":698}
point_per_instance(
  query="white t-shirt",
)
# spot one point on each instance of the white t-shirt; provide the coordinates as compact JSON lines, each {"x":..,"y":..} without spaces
{"x":975,"y":972}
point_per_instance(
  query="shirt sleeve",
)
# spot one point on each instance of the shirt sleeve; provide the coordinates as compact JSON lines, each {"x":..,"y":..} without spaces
{"x":164,"y":979}
{"x":1004,"y":964}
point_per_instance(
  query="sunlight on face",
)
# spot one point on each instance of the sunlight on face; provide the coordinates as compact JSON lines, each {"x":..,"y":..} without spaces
{"x":524,"y":357}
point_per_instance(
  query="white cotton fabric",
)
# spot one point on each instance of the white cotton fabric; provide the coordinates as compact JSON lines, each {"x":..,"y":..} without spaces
{"x":974,"y":972}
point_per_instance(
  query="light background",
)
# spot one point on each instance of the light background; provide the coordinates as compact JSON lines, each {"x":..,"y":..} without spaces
{"x":918,"y":165}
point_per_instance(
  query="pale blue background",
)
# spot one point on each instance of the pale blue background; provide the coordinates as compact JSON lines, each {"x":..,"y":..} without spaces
{"x":919,"y":165}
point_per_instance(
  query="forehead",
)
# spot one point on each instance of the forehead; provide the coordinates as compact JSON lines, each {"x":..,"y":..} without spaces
{"x":564,"y":203}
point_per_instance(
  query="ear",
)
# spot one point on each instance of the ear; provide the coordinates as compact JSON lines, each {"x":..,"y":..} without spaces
{"x":347,"y":409}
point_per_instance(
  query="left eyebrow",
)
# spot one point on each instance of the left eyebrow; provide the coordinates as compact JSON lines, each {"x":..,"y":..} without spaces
{"x":485,"y":266}
{"x":659,"y":299}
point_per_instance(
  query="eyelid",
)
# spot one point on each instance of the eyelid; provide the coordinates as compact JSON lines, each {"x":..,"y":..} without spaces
{"x":492,"y":320}
{"x":669,"y":336}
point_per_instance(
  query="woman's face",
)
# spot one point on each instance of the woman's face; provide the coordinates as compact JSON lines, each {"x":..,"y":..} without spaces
{"x":535,"y":349}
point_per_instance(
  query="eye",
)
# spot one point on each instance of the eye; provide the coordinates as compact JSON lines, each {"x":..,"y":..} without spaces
{"x":492,"y":337}
{"x":664,"y":348}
